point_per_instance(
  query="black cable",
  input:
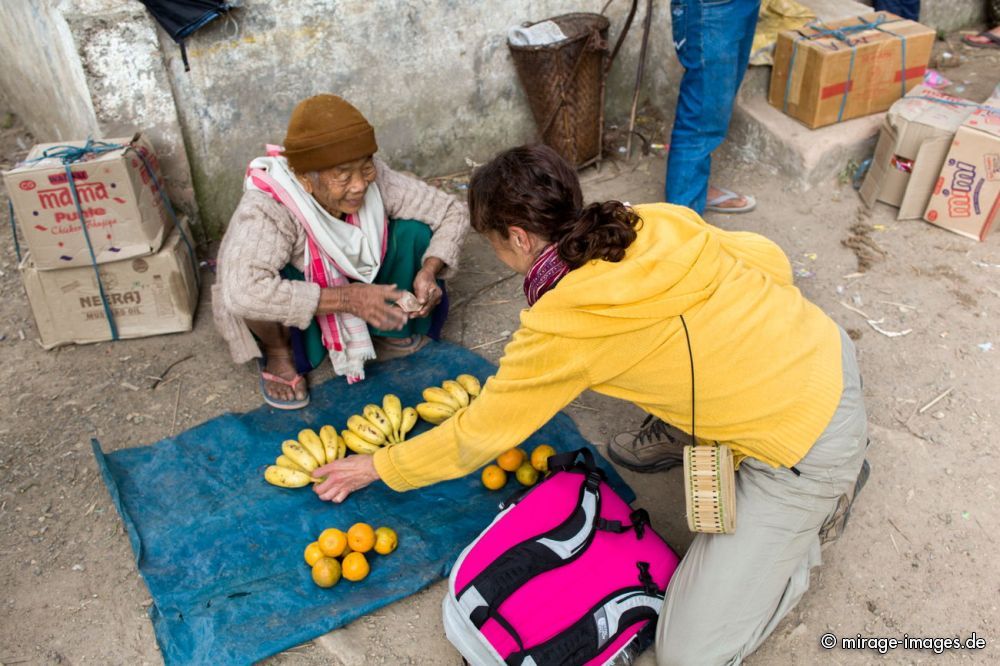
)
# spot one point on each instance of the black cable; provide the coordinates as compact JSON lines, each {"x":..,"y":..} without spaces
{"x":691,"y":359}
{"x":687,"y":336}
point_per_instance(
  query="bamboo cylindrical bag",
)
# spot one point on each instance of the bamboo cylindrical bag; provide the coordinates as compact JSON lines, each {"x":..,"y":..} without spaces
{"x":709,"y":492}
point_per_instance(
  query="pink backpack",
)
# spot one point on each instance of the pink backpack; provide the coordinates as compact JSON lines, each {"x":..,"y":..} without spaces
{"x":566,"y":574}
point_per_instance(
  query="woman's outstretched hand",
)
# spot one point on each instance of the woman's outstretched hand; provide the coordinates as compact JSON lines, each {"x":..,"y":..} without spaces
{"x":344,"y":476}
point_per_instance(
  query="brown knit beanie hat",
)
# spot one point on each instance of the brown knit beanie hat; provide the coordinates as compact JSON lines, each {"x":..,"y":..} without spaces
{"x":325,"y":131}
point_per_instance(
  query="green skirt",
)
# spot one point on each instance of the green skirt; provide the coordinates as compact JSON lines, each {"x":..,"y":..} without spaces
{"x":408,"y":241}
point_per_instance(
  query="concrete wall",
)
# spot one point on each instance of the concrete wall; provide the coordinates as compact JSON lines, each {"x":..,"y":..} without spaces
{"x":434,"y":78}
{"x":40,"y":77}
{"x":951,"y":15}
{"x":79,"y":68}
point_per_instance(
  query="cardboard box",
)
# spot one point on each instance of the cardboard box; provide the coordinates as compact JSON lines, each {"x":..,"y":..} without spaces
{"x":124,"y":213}
{"x":829,"y":72}
{"x":148,"y":296}
{"x":966,"y":196}
{"x":912,"y":146}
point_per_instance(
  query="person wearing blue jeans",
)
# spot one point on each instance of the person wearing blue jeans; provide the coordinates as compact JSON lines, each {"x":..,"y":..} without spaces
{"x":713,"y":40}
{"x":908,"y":9}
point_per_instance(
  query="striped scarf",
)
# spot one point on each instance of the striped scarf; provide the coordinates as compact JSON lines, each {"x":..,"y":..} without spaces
{"x":544,"y":274}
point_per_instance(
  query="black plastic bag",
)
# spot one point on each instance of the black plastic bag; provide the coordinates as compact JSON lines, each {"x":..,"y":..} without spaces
{"x":180,"y":18}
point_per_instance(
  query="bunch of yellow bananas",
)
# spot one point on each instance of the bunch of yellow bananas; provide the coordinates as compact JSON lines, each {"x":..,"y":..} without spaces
{"x":377,"y":426}
{"x":294,"y":467}
{"x":366,"y":432}
{"x":443,"y":401}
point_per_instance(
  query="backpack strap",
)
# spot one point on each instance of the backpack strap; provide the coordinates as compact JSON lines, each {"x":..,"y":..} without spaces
{"x":560,"y":462}
{"x":568,"y":461}
{"x":638,"y":520}
{"x":534,"y":556}
{"x":592,"y":633}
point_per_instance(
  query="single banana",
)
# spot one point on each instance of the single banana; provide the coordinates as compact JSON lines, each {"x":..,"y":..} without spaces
{"x":393,"y":409}
{"x":379,"y":419}
{"x":288,"y":478}
{"x":332,"y":446}
{"x":438,"y":394}
{"x":409,"y":420}
{"x":457,"y":391}
{"x":470,"y":384}
{"x":298,"y":455}
{"x":364,"y":429}
{"x":311,"y":442}
{"x":358,"y":445}
{"x":287,"y":463}
{"x":434,"y":412}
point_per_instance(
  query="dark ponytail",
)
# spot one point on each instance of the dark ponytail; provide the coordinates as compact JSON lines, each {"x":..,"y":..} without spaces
{"x":532,"y":187}
{"x":600,"y":231}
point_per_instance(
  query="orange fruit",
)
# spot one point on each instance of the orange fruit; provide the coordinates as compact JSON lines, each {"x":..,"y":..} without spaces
{"x":494,"y":478}
{"x":326,"y":572}
{"x":509,"y":461}
{"x":385,"y":540}
{"x":361,"y":537}
{"x":313,"y":553}
{"x":355,"y":567}
{"x":527,"y":475}
{"x":540,"y":457}
{"x":332,"y":542}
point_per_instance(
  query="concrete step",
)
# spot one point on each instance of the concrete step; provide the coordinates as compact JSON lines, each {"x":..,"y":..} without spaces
{"x":763,"y":135}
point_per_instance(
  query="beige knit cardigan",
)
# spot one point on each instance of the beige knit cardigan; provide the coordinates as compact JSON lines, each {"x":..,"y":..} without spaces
{"x":263,"y":237}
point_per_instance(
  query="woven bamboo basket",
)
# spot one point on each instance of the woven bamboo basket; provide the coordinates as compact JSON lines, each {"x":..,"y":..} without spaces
{"x":709,"y":489}
{"x":564,"y":83}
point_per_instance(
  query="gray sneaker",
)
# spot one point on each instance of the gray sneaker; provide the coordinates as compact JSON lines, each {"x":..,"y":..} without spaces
{"x":655,"y":446}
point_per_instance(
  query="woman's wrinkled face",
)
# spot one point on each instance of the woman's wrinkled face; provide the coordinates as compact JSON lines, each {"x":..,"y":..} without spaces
{"x":341,"y":189}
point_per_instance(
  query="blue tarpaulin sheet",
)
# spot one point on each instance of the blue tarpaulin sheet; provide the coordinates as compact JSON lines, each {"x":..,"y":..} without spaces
{"x":221,"y":550}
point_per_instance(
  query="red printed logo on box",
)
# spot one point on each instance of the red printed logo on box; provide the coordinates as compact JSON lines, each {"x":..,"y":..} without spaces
{"x":61,"y":197}
{"x":963,"y":180}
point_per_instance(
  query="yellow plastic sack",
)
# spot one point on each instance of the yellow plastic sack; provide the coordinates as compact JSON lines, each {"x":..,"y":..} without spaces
{"x":775,"y":16}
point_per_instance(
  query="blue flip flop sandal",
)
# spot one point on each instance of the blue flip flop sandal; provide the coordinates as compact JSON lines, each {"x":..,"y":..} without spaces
{"x":274,"y":402}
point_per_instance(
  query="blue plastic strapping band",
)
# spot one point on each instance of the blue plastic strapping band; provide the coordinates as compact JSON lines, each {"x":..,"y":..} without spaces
{"x":847,"y":85}
{"x":90,"y":248}
{"x":173,"y":215}
{"x":70,"y":154}
{"x":791,"y":72}
{"x":13,"y":229}
{"x":956,"y":102}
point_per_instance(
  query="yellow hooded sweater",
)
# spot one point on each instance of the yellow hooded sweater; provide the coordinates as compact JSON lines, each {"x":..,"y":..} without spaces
{"x":766,"y":360}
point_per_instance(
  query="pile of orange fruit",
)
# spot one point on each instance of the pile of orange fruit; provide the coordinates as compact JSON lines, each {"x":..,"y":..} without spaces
{"x":527,"y":469}
{"x":337,"y":554}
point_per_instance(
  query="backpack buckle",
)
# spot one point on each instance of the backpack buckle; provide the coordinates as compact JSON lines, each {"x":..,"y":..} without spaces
{"x":639,"y":518}
{"x":648,"y":585}
{"x":594,"y":478}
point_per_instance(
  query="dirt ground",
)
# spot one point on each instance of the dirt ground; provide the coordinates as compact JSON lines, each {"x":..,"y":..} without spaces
{"x":918,"y":558}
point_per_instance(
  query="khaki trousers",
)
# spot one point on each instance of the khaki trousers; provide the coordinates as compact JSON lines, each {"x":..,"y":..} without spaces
{"x":732,"y":590}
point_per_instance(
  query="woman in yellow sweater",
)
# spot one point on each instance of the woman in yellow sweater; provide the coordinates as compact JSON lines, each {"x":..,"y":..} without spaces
{"x":607,"y":287}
